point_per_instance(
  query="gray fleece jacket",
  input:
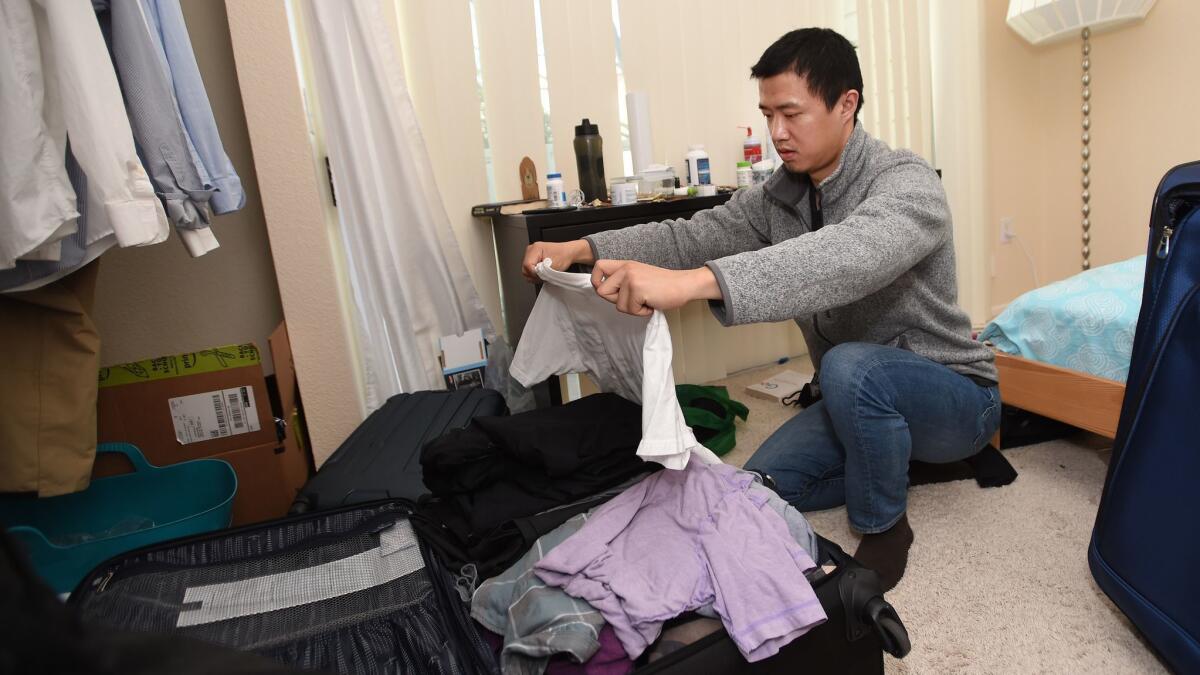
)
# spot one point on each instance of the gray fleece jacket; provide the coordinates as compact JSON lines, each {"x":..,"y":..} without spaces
{"x":880,"y":271}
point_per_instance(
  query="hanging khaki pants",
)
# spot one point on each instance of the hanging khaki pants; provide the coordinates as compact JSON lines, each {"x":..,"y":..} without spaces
{"x":49,"y":358}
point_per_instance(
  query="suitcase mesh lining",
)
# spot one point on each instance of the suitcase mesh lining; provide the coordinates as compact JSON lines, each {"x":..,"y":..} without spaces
{"x":393,"y":626}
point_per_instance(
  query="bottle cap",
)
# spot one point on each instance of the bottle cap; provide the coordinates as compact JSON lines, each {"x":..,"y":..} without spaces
{"x":587,"y":127}
{"x":745,"y":164}
{"x":554,"y":175}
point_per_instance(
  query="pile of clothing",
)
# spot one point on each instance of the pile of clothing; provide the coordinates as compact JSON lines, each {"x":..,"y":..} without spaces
{"x":502,"y":482}
{"x":578,"y":532}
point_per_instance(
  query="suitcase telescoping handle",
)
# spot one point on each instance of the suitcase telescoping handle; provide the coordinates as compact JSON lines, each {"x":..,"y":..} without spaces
{"x":865,"y":606}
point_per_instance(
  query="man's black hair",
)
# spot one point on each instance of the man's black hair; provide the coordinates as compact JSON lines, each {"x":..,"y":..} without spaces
{"x":821,"y":56}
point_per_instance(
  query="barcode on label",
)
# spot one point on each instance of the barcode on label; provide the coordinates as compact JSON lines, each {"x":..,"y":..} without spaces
{"x":222,"y":426}
{"x":235,"y":410}
{"x":213,"y":415}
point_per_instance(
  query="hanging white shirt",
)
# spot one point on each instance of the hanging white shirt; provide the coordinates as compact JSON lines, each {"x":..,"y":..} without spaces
{"x":573,"y":330}
{"x":63,"y":83}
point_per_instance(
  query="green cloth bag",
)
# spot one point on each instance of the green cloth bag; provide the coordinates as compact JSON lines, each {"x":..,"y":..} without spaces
{"x":711,"y":414}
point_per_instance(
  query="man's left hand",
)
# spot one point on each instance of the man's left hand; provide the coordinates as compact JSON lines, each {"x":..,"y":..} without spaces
{"x":639,"y":289}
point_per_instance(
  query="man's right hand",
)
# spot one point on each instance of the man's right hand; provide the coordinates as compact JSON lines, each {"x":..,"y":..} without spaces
{"x":561,"y":254}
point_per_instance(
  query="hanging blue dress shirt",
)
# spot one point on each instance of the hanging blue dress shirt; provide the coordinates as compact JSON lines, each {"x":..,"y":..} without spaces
{"x":166,"y":20}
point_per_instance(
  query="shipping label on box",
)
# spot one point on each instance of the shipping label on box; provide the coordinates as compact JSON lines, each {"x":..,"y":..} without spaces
{"x":214,"y":414}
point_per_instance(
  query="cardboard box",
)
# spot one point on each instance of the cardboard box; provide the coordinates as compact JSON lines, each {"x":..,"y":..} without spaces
{"x":299,"y":465}
{"x":211,"y":403}
{"x":269,"y":476}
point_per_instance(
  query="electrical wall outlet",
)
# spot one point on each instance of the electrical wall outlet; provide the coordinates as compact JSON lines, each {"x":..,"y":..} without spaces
{"x":1007,"y":234}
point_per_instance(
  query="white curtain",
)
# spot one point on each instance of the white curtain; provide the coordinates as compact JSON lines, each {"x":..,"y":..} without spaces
{"x":409,"y":279}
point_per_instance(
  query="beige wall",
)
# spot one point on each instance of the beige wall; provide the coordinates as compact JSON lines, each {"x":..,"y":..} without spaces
{"x":157,"y":299}
{"x":302,"y":239}
{"x":1143,"y":123}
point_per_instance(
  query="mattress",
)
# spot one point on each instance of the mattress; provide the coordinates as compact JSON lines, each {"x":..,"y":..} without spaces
{"x":1084,"y":323}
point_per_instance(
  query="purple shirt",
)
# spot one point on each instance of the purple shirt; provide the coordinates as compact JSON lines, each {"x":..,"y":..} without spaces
{"x":682,"y":539}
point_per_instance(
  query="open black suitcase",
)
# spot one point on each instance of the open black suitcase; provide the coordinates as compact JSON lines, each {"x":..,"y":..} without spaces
{"x":318,"y":591}
{"x":345,"y":585}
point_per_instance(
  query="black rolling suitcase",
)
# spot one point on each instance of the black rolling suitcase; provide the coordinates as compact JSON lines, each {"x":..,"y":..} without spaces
{"x":382,"y":457}
{"x":352,"y":590}
{"x":348,"y":590}
{"x":1145,"y":547}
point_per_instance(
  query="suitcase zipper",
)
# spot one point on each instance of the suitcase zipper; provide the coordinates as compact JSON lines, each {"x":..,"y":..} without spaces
{"x":1164,"y":242}
{"x":1167,"y":333}
{"x":150,"y":566}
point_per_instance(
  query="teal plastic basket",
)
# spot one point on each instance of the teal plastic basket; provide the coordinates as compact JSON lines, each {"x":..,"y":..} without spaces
{"x":67,"y":536}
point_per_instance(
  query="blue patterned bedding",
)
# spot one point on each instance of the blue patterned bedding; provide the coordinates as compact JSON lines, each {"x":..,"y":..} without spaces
{"x":1085,"y":322}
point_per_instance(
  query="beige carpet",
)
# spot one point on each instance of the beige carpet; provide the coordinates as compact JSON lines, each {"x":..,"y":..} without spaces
{"x":997,"y":579}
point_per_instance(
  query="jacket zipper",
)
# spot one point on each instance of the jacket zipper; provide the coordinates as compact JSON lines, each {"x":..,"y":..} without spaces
{"x":817,"y":328}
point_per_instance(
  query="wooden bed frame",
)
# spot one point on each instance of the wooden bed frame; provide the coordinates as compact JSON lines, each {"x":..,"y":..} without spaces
{"x":1079,"y":399}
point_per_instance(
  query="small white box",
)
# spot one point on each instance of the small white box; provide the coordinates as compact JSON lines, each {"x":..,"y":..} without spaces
{"x":779,"y":386}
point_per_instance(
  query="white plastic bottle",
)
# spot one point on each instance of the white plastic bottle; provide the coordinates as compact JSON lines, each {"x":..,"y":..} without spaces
{"x":556,"y":193}
{"x":698,"y":172}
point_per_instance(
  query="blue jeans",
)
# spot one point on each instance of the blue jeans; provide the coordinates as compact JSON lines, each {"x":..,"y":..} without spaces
{"x":881,"y":407}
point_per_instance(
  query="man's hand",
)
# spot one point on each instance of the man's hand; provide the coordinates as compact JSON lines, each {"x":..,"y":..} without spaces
{"x":639,"y":289}
{"x":561,"y":254}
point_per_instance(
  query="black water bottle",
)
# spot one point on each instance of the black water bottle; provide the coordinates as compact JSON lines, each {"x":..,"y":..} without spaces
{"x":589,"y":158}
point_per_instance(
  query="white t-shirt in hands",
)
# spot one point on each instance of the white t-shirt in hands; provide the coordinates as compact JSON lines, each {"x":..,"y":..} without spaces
{"x":573,"y":330}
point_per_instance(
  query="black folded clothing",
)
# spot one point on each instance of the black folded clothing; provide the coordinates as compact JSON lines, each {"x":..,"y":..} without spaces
{"x":502,"y":482}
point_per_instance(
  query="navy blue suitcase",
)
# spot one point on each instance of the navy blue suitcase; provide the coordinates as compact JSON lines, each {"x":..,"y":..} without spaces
{"x":1145,"y":549}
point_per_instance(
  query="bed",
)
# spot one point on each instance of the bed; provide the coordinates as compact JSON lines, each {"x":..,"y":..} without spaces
{"x":1062,"y":350}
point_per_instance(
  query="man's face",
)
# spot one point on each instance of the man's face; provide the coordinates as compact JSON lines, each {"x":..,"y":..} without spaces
{"x":808,"y":136}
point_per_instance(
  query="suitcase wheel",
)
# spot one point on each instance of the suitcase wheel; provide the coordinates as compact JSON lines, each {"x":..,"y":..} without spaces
{"x":888,"y":627}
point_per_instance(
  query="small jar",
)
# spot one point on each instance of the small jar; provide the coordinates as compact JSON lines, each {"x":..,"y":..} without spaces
{"x":623,"y":190}
{"x":745,"y":175}
{"x":763,"y":170}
